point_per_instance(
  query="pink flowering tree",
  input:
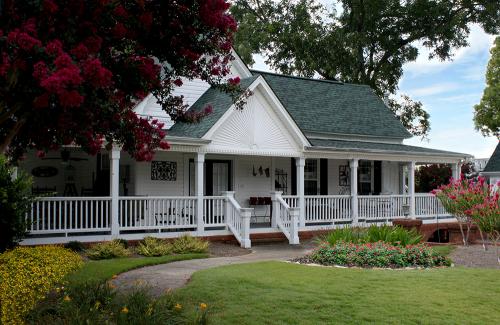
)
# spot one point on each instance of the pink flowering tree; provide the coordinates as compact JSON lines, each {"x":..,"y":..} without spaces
{"x":71,"y":71}
{"x":487,"y":217}
{"x":459,"y":197}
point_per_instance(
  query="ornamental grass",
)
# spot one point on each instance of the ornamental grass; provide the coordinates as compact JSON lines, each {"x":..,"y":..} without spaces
{"x":27,"y":274}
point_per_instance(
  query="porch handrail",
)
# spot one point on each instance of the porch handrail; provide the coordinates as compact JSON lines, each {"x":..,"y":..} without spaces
{"x":285,"y":218}
{"x":65,"y":215}
{"x":238,"y":220}
{"x":382,"y":208}
{"x":327,"y":208}
{"x":428,"y":205}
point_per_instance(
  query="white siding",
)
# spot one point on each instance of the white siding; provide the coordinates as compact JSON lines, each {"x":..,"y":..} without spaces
{"x":145,"y":186}
{"x":255,"y":130}
{"x":246,"y":184}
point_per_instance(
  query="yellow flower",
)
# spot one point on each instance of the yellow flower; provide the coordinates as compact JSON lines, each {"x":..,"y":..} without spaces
{"x":203,"y":306}
{"x":67,"y":298}
{"x":178,"y":306}
{"x":97,"y":304}
{"x":125,"y":310}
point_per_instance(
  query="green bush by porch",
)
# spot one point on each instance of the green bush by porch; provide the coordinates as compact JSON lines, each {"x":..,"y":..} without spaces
{"x":284,"y":293}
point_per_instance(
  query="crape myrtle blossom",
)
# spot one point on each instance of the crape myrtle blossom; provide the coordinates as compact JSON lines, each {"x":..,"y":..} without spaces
{"x":71,"y":71}
{"x":472,"y":202}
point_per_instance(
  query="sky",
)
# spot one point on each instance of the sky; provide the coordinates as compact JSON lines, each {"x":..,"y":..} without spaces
{"x":448,"y":90}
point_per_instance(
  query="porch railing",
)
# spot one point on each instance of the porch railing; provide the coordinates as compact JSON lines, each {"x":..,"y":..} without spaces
{"x":64,"y":215}
{"x":327,"y":208}
{"x":428,"y":205}
{"x":382,"y":208}
{"x":157,"y":213}
{"x":214,"y":211}
{"x":238,"y":220}
{"x":286,"y":218}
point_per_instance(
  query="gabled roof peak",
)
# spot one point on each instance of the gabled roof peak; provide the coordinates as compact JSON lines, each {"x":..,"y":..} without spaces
{"x":298,"y":77}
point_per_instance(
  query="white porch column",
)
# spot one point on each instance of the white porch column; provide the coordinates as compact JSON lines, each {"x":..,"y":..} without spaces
{"x":300,"y":163}
{"x":114,"y":189}
{"x":456,"y":170}
{"x":411,"y":188}
{"x":199,"y":162}
{"x":354,"y":191}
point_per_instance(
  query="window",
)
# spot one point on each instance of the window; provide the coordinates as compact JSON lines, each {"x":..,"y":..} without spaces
{"x":365,"y":177}
{"x":311,"y":177}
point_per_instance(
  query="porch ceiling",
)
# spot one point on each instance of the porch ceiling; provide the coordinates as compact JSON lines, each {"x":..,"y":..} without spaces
{"x":380,"y":148}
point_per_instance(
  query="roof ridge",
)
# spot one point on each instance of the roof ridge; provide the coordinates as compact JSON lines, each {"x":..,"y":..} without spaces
{"x":297,"y":77}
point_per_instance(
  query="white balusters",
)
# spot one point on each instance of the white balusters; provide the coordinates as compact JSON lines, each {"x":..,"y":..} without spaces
{"x":69,"y":215}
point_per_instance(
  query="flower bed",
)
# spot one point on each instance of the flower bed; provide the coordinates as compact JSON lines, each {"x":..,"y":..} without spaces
{"x":377,"y":254}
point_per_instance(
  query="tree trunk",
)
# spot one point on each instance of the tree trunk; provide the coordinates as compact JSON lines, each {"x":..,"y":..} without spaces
{"x":12,"y":133}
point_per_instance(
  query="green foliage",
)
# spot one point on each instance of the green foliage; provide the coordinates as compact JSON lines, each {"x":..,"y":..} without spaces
{"x":487,"y":112}
{"x":96,"y":302}
{"x":15,"y":202}
{"x":394,"y":235}
{"x":346,"y":234}
{"x":27,"y":274}
{"x":378,"y":254}
{"x":188,"y":244}
{"x":151,"y":246}
{"x":365,"y":42}
{"x":111,"y":249}
{"x":75,"y":246}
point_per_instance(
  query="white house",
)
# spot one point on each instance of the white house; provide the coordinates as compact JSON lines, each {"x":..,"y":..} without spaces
{"x":492,"y":169}
{"x":303,"y":154}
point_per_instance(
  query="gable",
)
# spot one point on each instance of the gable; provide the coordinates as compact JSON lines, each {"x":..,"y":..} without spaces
{"x":257,"y":129}
{"x":191,"y":91}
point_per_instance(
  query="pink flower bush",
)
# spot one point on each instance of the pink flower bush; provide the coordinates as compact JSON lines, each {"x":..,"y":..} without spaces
{"x":472,"y":202}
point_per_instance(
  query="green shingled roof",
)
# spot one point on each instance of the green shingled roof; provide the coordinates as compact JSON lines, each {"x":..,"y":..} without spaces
{"x":334,"y":107}
{"x":493,"y":164}
{"x":377,"y":146}
{"x":315,"y":105}
{"x":220,"y":103}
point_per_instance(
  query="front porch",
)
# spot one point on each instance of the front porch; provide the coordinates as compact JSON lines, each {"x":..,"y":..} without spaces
{"x":220,"y":195}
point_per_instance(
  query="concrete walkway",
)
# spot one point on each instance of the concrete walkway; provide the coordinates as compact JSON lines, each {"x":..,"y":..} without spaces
{"x":163,"y":277}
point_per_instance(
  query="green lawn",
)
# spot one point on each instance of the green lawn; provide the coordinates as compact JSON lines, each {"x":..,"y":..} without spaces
{"x":284,"y":293}
{"x":105,"y":269}
{"x":443,"y":249}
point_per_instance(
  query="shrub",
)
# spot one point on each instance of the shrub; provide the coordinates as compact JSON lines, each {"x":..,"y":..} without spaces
{"x":15,"y":202}
{"x":188,"y":244}
{"x":151,"y":246}
{"x":75,"y":246}
{"x":97,"y":303}
{"x":394,"y":235}
{"x":27,"y":274}
{"x":106,"y":250}
{"x":346,"y":234}
{"x":377,"y":255}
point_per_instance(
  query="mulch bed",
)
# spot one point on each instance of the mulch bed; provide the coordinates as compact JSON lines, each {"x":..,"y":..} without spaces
{"x":218,"y":249}
{"x":475,"y":256}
